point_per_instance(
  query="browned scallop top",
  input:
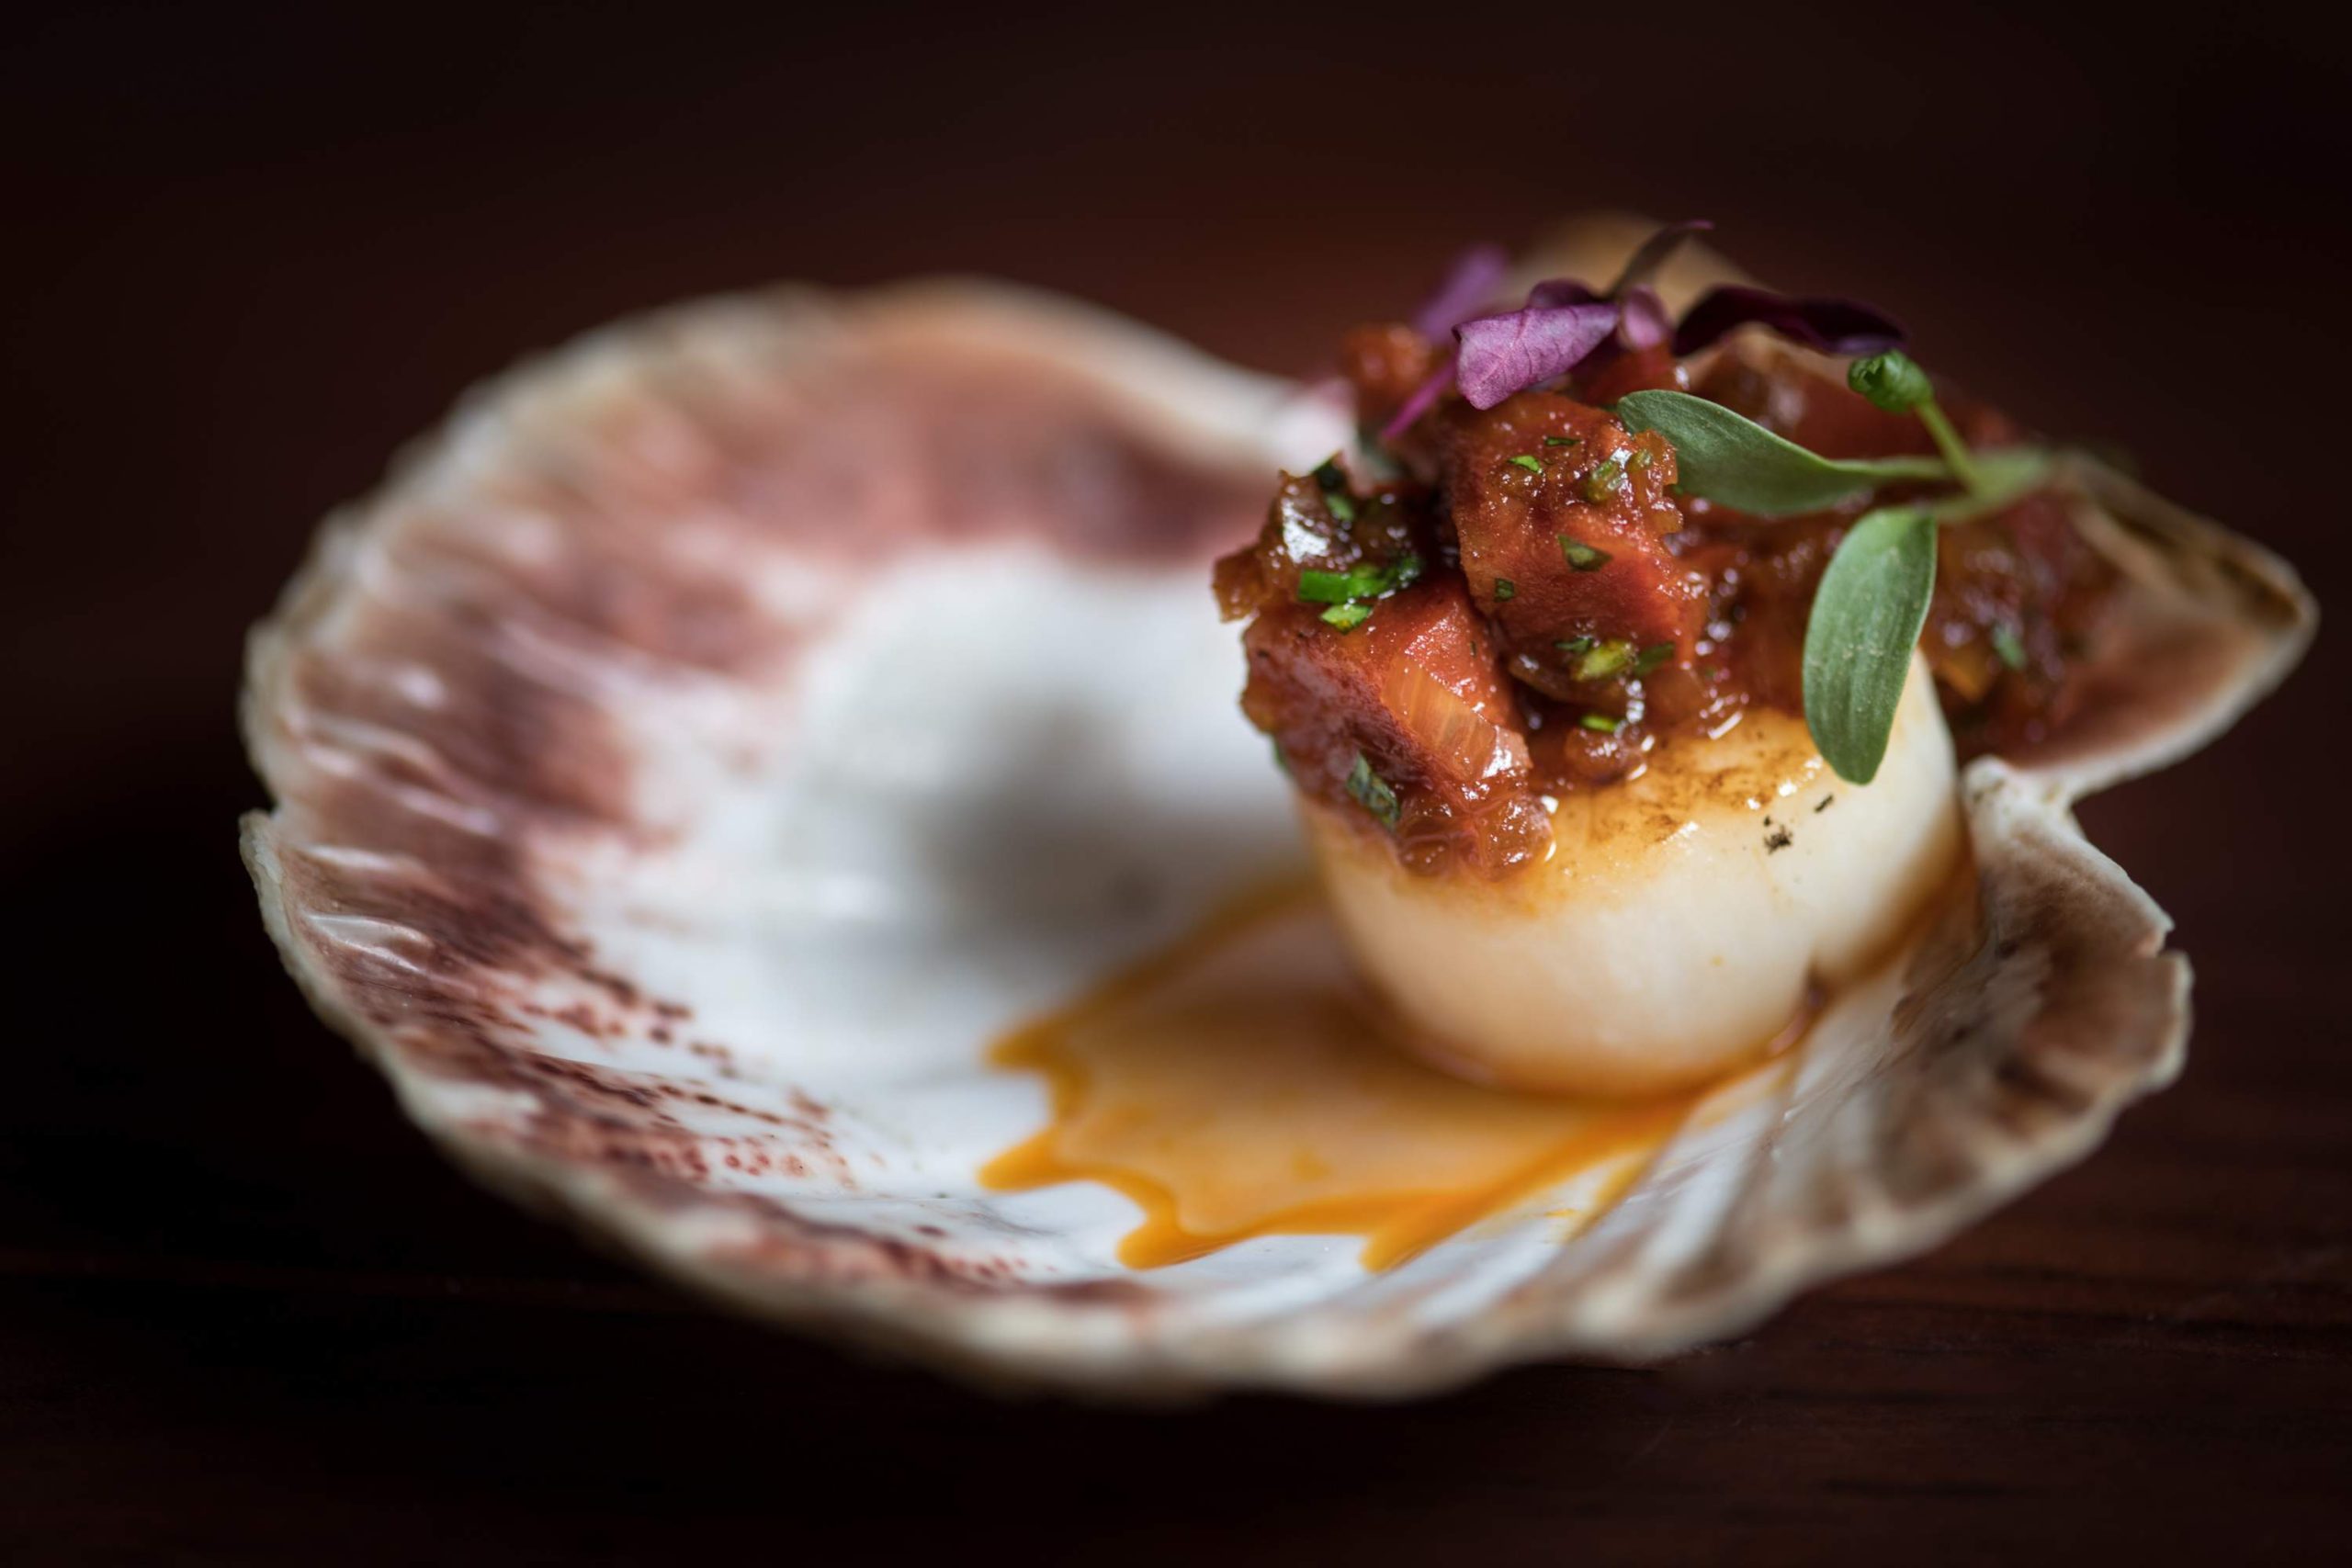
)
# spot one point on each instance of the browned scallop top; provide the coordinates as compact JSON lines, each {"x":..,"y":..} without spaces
{"x":1504,"y":604}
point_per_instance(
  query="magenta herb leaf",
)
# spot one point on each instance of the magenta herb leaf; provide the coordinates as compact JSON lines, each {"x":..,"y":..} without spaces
{"x":1513,"y":350}
{"x":1833,"y":326}
{"x":1644,"y":324}
{"x":1555,"y":291}
{"x":1423,"y":399}
{"x":1469,"y":285}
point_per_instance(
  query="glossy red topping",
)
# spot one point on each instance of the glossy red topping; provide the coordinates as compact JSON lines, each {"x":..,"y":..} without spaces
{"x":1527,"y":607}
{"x":1562,"y":518}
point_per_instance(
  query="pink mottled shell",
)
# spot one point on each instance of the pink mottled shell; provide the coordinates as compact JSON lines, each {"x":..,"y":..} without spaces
{"x":694,"y":756}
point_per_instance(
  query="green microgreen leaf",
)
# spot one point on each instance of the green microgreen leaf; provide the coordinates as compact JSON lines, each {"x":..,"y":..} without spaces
{"x":1582,"y":557}
{"x":1527,"y":460}
{"x":1372,"y":792}
{"x":1347,"y":618}
{"x":1997,"y":478}
{"x":1726,"y":457}
{"x":1866,"y":619}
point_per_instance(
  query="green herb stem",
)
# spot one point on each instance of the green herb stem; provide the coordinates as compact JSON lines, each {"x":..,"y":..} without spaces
{"x":1948,"y":442}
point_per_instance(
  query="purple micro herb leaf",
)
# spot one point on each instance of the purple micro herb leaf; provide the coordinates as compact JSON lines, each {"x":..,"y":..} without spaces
{"x":1469,"y":285}
{"x":1424,"y":398}
{"x":1514,"y":350}
{"x":1555,"y":291}
{"x":1644,"y":324}
{"x":1834,"y":326}
{"x":1655,"y":252}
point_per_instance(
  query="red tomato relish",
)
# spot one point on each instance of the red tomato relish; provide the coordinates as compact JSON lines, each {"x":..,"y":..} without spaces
{"x":1519,"y":604}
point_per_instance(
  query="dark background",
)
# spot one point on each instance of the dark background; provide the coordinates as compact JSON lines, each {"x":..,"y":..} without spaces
{"x":250,"y":251}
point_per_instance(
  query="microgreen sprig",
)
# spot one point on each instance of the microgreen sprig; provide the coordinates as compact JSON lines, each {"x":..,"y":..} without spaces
{"x":1892,"y":382}
{"x":1874,"y":595}
{"x":1727,"y":457}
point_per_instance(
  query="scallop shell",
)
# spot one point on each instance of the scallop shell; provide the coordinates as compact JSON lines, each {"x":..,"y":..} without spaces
{"x":697,"y":752}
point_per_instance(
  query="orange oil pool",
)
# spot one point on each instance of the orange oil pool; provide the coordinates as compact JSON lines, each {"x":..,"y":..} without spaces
{"x":1242,"y":1085}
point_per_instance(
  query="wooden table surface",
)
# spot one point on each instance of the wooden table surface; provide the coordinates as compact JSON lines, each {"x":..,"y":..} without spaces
{"x":252,"y":252}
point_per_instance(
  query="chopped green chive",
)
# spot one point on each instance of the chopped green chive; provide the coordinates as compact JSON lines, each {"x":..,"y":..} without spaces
{"x":1370,"y":792}
{"x":1347,"y":618}
{"x":1582,"y":557}
{"x":2005,"y":644}
{"x":1604,"y":659}
{"x":1330,"y":587}
{"x":1640,"y":459}
{"x":1576,"y":644}
{"x":1529,"y":461}
{"x":1342,"y":505}
{"x":1601,"y":724}
{"x":1652,"y":656}
{"x":1562,"y":441}
{"x":1364,"y":582}
{"x":1602,"y":482}
{"x":1504,"y":589}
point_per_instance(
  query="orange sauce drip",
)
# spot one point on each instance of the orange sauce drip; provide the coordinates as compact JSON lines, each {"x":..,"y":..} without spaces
{"x":1241,"y":1084}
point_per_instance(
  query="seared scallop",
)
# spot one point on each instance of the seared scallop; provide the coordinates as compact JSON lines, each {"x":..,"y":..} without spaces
{"x":1680,"y":920}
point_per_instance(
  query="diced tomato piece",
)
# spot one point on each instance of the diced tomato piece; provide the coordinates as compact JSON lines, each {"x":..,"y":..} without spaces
{"x":1562,"y":515}
{"x":1416,"y":692}
{"x":1306,"y":532}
